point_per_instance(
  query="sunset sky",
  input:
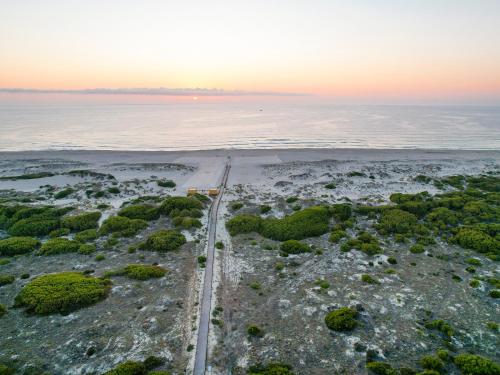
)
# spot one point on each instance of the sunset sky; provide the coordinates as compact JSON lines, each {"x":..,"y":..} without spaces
{"x":359,"y":49}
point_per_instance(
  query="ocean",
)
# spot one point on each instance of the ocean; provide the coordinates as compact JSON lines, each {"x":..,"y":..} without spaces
{"x":205,"y":126}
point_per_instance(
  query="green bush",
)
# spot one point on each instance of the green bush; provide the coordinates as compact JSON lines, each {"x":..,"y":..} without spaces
{"x":494,"y":293}
{"x":6,"y":279}
{"x":235,"y":206}
{"x":219,"y":245}
{"x":431,"y":362}
{"x":3,"y":311}
{"x":86,"y":235}
{"x":59,"y":246}
{"x":343,"y":319}
{"x":59,"y":232}
{"x":396,"y":221}
{"x":264,"y":209}
{"x":128,"y":368}
{"x":5,"y":370}
{"x":122,"y":226}
{"x":330,"y":186}
{"x":61,"y":292}
{"x":186,"y":222}
{"x":179,"y":203}
{"x":166,"y":183}
{"x":153,"y":362}
{"x":18,"y":245}
{"x":140,"y":211}
{"x":474,"y":239}
{"x":441,"y":326}
{"x":274,"y":368}
{"x":392,"y":260}
{"x":473,"y":261}
{"x":337,"y":235}
{"x":309,"y":222}
{"x":86,"y":249}
{"x":341,"y":212}
{"x":164,"y":240}
{"x":64,"y":193}
{"x":443,"y":216}
{"x":244,"y":224}
{"x":34,"y":226}
{"x":294,"y":247}
{"x":417,"y":249}
{"x":255,"y":331}
{"x":81,"y":222}
{"x":144,"y":271}
{"x":470,"y":364}
{"x":99,"y":257}
{"x":369,"y":279}
{"x":380,"y":368}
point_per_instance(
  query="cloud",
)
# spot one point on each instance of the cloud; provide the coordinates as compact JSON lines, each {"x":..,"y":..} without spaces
{"x":151,"y":91}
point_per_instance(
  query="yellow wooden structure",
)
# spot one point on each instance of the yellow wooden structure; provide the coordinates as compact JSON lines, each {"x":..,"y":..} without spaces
{"x":192,"y":191}
{"x":213,"y":192}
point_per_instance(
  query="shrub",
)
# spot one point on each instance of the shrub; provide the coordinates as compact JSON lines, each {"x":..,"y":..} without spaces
{"x":99,"y":257}
{"x":236,"y":206}
{"x":292,"y":199}
{"x":5,"y":370}
{"x":494,"y":293}
{"x":274,"y":368}
{"x":470,"y":364}
{"x":81,"y":222}
{"x":64,"y":193}
{"x":473,"y":262}
{"x":153,"y":362}
{"x":6,"y":279}
{"x":59,"y":246}
{"x":441,"y":326}
{"x":243,"y":224}
{"x":392,"y":260}
{"x":219,"y":245}
{"x":144,"y":272}
{"x":3,"y":311}
{"x":443,"y":355}
{"x":474,"y":283}
{"x":33,"y":227}
{"x":128,"y":368}
{"x":369,"y":279}
{"x":166,"y":183}
{"x":140,"y":211}
{"x":113,"y":190}
{"x":443,"y":216}
{"x":431,"y":362}
{"x":59,"y":232}
{"x":417,"y":249}
{"x":165,"y":240}
{"x":4,"y":261}
{"x":61,"y":292}
{"x":122,"y":226}
{"x":294,"y":247}
{"x":18,"y":245}
{"x":86,"y":235}
{"x":341,"y":212}
{"x":477,"y":240}
{"x":186,"y":222}
{"x":86,"y":249}
{"x":396,"y":221}
{"x":255,"y":331}
{"x":264,"y":209}
{"x":380,"y":368}
{"x":309,"y":222}
{"x":343,"y":319}
{"x":179,"y":203}
{"x":330,"y":186}
{"x":255,"y":285}
{"x":337,"y":235}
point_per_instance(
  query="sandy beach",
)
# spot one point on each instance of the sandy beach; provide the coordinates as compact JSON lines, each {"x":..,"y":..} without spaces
{"x":159,"y":317}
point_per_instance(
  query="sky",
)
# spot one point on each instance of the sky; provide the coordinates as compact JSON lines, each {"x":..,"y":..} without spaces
{"x":357,"y":50}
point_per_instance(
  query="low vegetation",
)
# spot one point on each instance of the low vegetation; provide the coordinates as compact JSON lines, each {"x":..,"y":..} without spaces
{"x":122,"y":226}
{"x":343,"y":319}
{"x":59,"y":246}
{"x":81,"y":222}
{"x":18,"y":245}
{"x":61,"y":293}
{"x":139,"y":272}
{"x":164,"y":241}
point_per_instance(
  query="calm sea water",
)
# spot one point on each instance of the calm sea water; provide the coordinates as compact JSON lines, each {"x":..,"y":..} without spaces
{"x":213,"y":126}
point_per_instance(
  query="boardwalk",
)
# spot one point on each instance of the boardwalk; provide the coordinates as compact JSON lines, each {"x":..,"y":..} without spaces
{"x":200,"y":361}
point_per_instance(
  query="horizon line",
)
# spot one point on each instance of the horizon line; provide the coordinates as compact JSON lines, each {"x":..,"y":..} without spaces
{"x":159,"y":91}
